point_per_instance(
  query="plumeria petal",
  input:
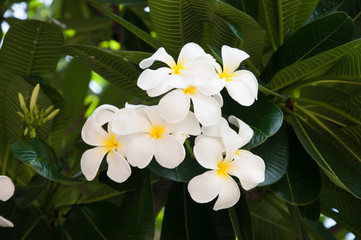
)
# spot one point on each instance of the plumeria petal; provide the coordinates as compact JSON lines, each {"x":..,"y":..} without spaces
{"x":203,"y":72}
{"x":140,"y":151}
{"x":219,"y":99}
{"x":205,"y":187}
{"x":152,"y":113}
{"x":149,"y":78}
{"x":92,"y":132}
{"x":212,"y":87}
{"x":128,"y":121}
{"x":188,"y":125}
{"x":118,"y":167}
{"x":206,"y":109}
{"x":232,"y":141}
{"x":5,"y":223}
{"x":249,"y":79}
{"x":104,"y":113}
{"x":229,"y":194}
{"x":232,"y":58}
{"x":169,"y":152}
{"x":91,"y":160}
{"x":208,"y":152}
{"x":214,"y":130}
{"x":249,"y":168}
{"x":160,"y":89}
{"x":190,"y":52}
{"x":182,"y":80}
{"x":7,"y":188}
{"x":242,"y":91}
{"x":244,"y":131}
{"x":174,"y":106}
{"x":159,"y":55}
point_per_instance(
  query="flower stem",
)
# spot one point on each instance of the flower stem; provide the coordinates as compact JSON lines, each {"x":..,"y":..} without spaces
{"x":269,"y":92}
{"x":189,"y":148}
{"x":6,"y":159}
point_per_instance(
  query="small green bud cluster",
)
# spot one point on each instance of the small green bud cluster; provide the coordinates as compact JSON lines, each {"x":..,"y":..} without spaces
{"x":33,"y":117}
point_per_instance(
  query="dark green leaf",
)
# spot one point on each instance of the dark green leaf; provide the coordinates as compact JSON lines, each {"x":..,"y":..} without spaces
{"x":341,"y":206}
{"x":353,"y":9}
{"x":134,"y":219}
{"x":40,"y":157}
{"x":241,"y":219}
{"x":188,"y":169}
{"x":265,"y":120}
{"x":124,"y":2}
{"x":317,"y":230}
{"x":25,"y":195}
{"x":146,"y":37}
{"x":304,"y":11}
{"x":301,"y":184}
{"x":186,"y":219}
{"x":346,"y":172}
{"x":311,"y":211}
{"x":275,"y":153}
{"x":314,"y":38}
{"x":113,"y":68}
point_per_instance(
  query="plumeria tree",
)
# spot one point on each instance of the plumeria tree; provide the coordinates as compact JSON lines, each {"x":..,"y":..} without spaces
{"x":180,"y":119}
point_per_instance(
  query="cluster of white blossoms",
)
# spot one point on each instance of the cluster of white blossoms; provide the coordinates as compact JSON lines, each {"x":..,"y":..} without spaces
{"x":137,"y":133}
{"x":7,"y":189}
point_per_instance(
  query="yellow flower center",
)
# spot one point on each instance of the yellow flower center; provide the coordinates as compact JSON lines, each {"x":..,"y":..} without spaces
{"x":190,"y":90}
{"x":111,"y":142}
{"x":223,"y":167}
{"x":177,"y":68}
{"x":157,"y":132}
{"x":226,"y":75}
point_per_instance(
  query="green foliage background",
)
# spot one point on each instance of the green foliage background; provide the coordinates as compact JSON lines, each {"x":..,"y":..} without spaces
{"x":306,"y":55}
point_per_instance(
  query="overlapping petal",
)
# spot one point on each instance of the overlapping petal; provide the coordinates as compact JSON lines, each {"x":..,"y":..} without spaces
{"x":229,"y":194}
{"x":249,"y":168}
{"x":174,"y":106}
{"x":206,"y":109}
{"x":5,"y":223}
{"x":208,"y":152}
{"x":91,"y":160}
{"x":92,"y":132}
{"x":169,"y":152}
{"x":149,"y":78}
{"x":243,"y":87}
{"x":190,"y":52}
{"x":232,"y":58}
{"x":140,"y":151}
{"x":128,"y":121}
{"x":188,"y":125}
{"x":160,"y":55}
{"x":7,"y":188}
{"x":205,"y":187}
{"x":118,"y":168}
{"x":244,"y":131}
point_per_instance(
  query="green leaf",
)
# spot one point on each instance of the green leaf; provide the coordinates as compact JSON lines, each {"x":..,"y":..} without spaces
{"x":251,"y":31}
{"x":124,"y":2}
{"x":346,"y":172}
{"x":276,"y":18}
{"x":31,"y":48}
{"x":341,"y":206}
{"x":301,"y":184}
{"x":249,"y":7}
{"x":137,"y":180}
{"x":146,"y":37}
{"x":186,"y":219}
{"x":275,"y":154}
{"x":113,"y":68}
{"x":188,"y":169}
{"x":271,"y":219}
{"x":25,"y":195}
{"x":314,"y":38}
{"x":265,"y":120}
{"x":353,"y":9}
{"x":175,"y":22}
{"x":28,"y":224}
{"x":311,"y":211}
{"x":134,"y":218}
{"x":133,"y":56}
{"x":241,"y":219}
{"x":317,"y":230}
{"x":318,"y":65}
{"x":304,"y":11}
{"x":40,"y":157}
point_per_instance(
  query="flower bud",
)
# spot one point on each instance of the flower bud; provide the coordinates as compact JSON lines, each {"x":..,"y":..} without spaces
{"x":34,"y":97}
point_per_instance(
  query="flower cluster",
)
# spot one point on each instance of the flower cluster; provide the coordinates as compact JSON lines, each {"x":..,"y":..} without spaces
{"x":137,"y":133}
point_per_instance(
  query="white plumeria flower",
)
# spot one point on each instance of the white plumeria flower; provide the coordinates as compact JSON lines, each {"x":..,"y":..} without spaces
{"x":218,"y":181}
{"x":241,"y":85}
{"x":193,"y":77}
{"x":105,"y":142}
{"x":154,"y":136}
{"x":7,"y":189}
